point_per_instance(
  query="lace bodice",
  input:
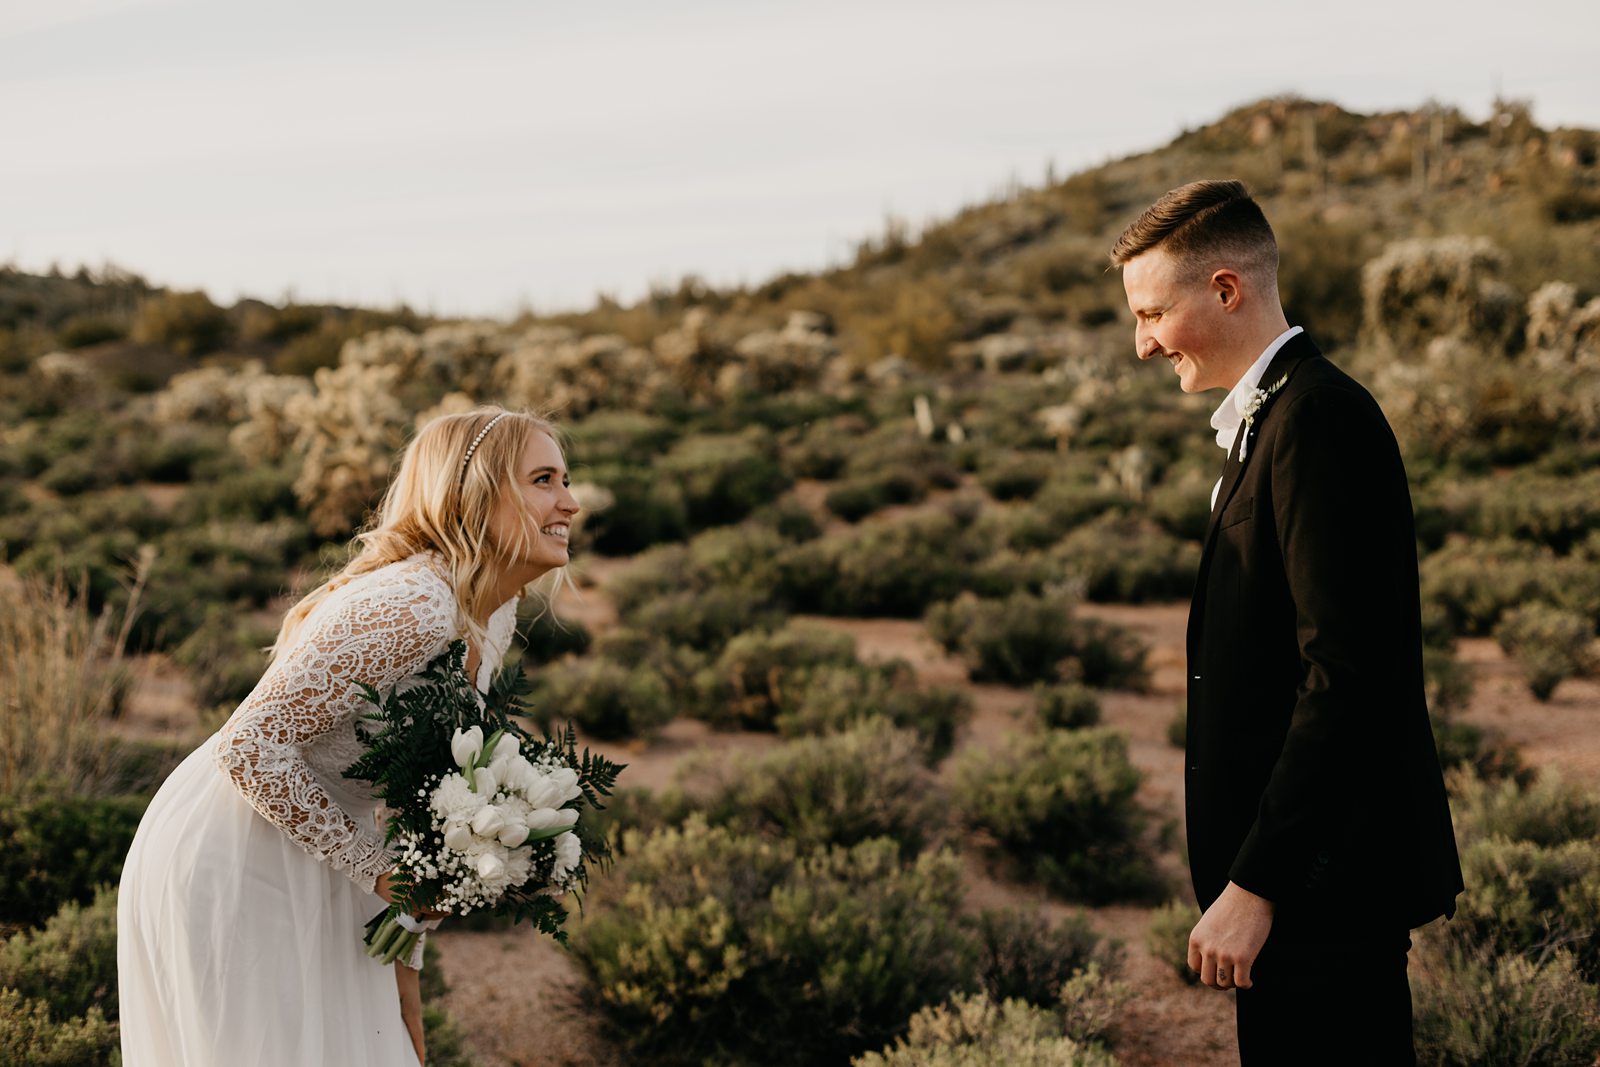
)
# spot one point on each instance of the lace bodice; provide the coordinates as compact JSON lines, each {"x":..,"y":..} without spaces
{"x":287,"y":745}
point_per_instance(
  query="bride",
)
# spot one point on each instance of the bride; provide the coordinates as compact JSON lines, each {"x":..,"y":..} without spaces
{"x":256,"y":866}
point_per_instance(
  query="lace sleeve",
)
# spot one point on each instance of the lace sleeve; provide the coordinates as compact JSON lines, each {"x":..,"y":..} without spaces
{"x":380,"y":633}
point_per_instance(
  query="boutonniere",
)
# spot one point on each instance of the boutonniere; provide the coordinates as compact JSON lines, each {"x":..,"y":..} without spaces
{"x":1250,"y":402}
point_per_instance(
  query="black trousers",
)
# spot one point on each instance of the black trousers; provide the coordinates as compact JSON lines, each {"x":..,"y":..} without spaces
{"x":1321,"y":999}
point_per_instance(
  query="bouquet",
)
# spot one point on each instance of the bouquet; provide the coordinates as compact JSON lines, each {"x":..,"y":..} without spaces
{"x":481,"y":816}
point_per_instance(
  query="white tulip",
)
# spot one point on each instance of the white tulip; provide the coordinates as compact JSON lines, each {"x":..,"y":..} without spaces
{"x":569,"y":850}
{"x":513,"y":833}
{"x":457,"y":836}
{"x":491,"y":867}
{"x":466,"y":746}
{"x":485,"y":783}
{"x":544,"y":818}
{"x":488,"y":822}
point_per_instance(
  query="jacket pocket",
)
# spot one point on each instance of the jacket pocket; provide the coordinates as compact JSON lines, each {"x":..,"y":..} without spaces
{"x":1238,"y":511}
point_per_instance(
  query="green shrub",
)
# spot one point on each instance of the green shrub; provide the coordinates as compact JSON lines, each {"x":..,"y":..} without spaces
{"x":1027,"y":638}
{"x":442,"y":1036}
{"x":1477,"y":1008}
{"x":724,"y":477}
{"x":835,"y":697}
{"x":755,"y":676}
{"x":1178,"y":726}
{"x":188,"y":323}
{"x":257,"y":493}
{"x":29,"y":1036}
{"x":1464,"y":745}
{"x":1552,"y":645}
{"x":677,"y":666}
{"x":1128,"y":560}
{"x":1474,"y":582}
{"x":207,"y":568}
{"x":58,"y":848}
{"x":822,"y":451}
{"x":72,"y":962}
{"x":1182,"y":508}
{"x":741,"y":557}
{"x":892,"y":568}
{"x":607,"y":699}
{"x":83,"y":330}
{"x":1546,"y":812}
{"x":646,"y":509}
{"x":1532,"y":899}
{"x":840,"y":789}
{"x":544,"y":637}
{"x":1447,"y":681}
{"x":1016,"y":477}
{"x":1023,"y":956}
{"x":858,"y":497}
{"x":629,"y":438}
{"x":705,"y":619}
{"x":1061,"y":806}
{"x":224,"y":657}
{"x":977,"y":1032}
{"x":1168,"y":937}
{"x":1068,"y":706}
{"x":832,"y":951}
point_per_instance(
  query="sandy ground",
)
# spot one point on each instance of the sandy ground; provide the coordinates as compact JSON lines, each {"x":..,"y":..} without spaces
{"x":521,"y":997}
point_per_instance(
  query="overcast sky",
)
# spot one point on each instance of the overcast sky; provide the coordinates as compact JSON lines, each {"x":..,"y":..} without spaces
{"x":478,"y":157}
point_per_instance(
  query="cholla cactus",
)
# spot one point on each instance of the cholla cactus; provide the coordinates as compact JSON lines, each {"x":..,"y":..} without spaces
{"x":1424,"y":288}
{"x":796,"y":356}
{"x":1558,"y":326}
{"x":553,"y":368}
{"x":350,"y":430}
{"x":267,"y":432}
{"x":457,"y":356}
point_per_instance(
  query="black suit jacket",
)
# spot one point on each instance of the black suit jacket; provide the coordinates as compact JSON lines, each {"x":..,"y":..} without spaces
{"x":1311,"y":774}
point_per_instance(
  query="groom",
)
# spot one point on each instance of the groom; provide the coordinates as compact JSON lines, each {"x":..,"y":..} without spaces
{"x":1319,"y":833}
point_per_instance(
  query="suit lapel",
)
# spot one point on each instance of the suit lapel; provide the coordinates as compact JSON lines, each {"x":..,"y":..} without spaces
{"x":1295,"y":351}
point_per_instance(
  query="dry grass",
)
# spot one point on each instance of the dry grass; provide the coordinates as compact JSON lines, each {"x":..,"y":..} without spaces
{"x":61,"y":678}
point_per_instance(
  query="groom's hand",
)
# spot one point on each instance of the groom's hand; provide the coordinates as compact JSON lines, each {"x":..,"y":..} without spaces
{"x":1224,"y":943}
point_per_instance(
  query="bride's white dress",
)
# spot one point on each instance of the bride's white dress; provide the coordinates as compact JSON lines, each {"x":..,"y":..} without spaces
{"x":250,"y":879}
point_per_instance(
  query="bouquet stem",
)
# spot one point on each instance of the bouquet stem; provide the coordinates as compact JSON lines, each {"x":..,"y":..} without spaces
{"x":387,"y":940}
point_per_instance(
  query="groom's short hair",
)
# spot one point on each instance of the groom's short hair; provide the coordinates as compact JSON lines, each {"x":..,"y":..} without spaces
{"x":1204,"y":225}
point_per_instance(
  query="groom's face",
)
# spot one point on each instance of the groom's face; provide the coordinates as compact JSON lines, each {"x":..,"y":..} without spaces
{"x":1181,"y":321}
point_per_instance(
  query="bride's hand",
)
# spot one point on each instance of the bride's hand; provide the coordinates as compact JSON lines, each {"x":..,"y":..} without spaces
{"x":385,"y":889}
{"x":410,"y":986}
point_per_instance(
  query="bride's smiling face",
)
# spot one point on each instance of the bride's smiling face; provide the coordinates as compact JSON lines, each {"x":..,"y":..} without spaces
{"x":533,"y":516}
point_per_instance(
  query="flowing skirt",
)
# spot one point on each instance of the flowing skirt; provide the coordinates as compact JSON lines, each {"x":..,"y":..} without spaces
{"x":235,"y":948}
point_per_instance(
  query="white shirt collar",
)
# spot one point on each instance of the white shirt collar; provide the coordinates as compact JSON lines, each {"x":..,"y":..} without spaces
{"x":1226,"y":419}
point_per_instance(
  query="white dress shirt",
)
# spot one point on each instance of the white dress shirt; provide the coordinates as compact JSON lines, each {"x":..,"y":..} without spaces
{"x":1226,"y":420}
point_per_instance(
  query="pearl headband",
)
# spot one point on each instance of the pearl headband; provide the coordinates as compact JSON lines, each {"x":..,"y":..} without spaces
{"x":478,"y":440}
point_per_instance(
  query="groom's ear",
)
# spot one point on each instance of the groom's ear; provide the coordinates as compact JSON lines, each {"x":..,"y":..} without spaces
{"x":1225,"y":288}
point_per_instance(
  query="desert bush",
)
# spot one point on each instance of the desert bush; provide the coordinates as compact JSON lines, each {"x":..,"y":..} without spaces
{"x":221,"y":565}
{"x":187,"y":323}
{"x":1061,"y":806}
{"x":724,"y":477}
{"x":58,"y":848}
{"x":225,"y":657}
{"x":1023,"y":956}
{"x":254,"y":492}
{"x":1026,"y":638}
{"x":646,"y":510}
{"x":1557,"y":512}
{"x":1530,"y":855}
{"x":545,"y":637}
{"x":745,"y":557}
{"x":832,"y":951}
{"x":838,"y":789}
{"x":1168,"y":937}
{"x":824,"y":448}
{"x":607,"y":699}
{"x":1474,"y":583}
{"x":622,"y":438}
{"x":1067,"y":706}
{"x":1016,"y":477}
{"x":838,"y":696}
{"x":28,"y":1035}
{"x":1182,"y":507}
{"x":1447,"y":682}
{"x":892,"y":568}
{"x":1476,"y":1007}
{"x":705,"y":619}
{"x":1128,"y":560}
{"x":750,"y":682}
{"x":677,"y":666}
{"x":1470,"y":747}
{"x":857,"y":497}
{"x":974,"y":1031}
{"x":1550,"y":644}
{"x":71,"y":962}
{"x":1064,"y":504}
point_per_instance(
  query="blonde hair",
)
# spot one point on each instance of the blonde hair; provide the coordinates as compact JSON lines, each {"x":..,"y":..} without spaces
{"x":443,"y":499}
